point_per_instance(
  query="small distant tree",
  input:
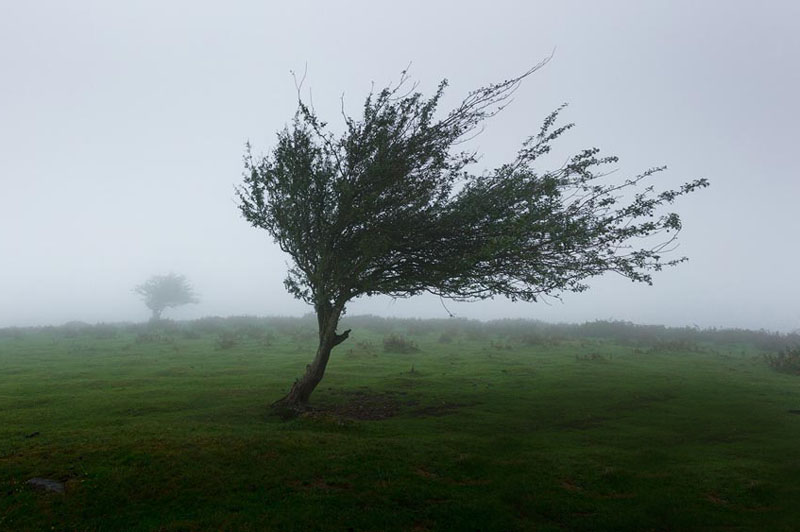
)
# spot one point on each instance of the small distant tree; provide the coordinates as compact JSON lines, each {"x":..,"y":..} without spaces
{"x":165,"y":291}
{"x":389,"y":207}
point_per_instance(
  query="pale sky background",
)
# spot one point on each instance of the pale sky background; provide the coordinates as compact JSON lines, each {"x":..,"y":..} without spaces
{"x":122,"y":127}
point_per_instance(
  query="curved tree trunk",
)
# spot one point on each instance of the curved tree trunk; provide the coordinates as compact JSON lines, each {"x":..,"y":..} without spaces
{"x":297,"y":398}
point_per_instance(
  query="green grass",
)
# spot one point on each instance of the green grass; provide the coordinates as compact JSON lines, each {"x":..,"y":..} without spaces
{"x":168,"y":431}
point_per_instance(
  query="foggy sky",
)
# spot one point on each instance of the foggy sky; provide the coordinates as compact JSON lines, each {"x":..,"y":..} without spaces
{"x":124,"y":124}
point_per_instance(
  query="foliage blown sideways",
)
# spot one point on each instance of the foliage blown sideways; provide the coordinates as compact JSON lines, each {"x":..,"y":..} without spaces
{"x":389,"y":207}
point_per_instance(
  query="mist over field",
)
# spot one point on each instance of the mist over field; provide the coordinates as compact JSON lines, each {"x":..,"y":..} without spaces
{"x":166,"y":366}
{"x":124,"y":129}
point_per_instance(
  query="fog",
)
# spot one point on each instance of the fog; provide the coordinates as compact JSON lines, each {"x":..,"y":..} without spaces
{"x":123,"y":130}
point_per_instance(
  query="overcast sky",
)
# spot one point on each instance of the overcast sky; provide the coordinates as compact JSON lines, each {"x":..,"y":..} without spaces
{"x":122,"y":127}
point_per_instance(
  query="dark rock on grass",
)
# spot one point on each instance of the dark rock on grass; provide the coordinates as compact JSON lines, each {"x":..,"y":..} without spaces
{"x":46,"y":484}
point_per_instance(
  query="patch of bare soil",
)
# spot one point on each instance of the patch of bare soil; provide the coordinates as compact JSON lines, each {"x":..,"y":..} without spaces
{"x":366,"y":405}
{"x":715,"y":499}
{"x":318,"y":483}
{"x":441,"y":409}
{"x":618,"y":495}
{"x":569,"y":485}
{"x":424,"y":473}
{"x":586,"y":423}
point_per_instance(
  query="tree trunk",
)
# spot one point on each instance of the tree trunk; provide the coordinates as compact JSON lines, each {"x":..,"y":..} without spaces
{"x":297,"y":398}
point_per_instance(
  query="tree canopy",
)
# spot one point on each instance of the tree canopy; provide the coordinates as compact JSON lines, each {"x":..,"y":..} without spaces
{"x":390,"y":206}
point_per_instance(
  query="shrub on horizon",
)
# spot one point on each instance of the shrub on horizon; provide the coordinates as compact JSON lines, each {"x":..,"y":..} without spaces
{"x":397,"y":344}
{"x":786,"y":361}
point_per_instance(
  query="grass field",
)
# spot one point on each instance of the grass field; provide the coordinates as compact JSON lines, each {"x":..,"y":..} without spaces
{"x":483,"y":428}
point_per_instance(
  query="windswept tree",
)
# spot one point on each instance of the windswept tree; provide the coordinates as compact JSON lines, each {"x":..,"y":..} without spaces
{"x":165,"y":291}
{"x":389,"y":206}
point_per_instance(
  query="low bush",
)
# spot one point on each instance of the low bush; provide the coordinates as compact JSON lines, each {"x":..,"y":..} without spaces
{"x":590,"y":356}
{"x":105,"y":331}
{"x":191,"y":334}
{"x":153,"y":338}
{"x":501,"y":346}
{"x":227,"y":340}
{"x":786,"y":361}
{"x":398,"y":344}
{"x":209,"y":325}
{"x":367,"y":346}
{"x":13,"y":333}
{"x":446,"y":337}
{"x":255,"y":332}
{"x":74,"y":329}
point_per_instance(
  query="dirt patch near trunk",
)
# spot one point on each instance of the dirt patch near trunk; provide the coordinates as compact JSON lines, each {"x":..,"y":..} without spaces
{"x":367,"y":405}
{"x":320,"y":484}
{"x":436,"y":410}
{"x":364,"y":405}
